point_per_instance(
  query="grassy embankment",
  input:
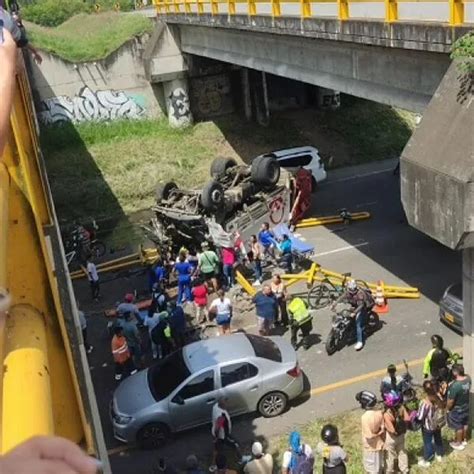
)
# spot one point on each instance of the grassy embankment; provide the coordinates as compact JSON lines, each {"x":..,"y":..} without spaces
{"x":88,"y":37}
{"x":349,"y":433}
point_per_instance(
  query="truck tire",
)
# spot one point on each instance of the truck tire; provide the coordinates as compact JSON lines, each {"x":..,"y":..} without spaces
{"x":212,"y":197}
{"x":220,"y":165}
{"x":265,"y":171}
{"x":163,"y":191}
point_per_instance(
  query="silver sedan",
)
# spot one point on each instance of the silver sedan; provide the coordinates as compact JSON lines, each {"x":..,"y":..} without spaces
{"x":252,"y":373}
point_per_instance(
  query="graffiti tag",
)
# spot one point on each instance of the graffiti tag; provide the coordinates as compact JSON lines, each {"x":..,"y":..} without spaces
{"x":179,"y":107}
{"x":90,"y":106}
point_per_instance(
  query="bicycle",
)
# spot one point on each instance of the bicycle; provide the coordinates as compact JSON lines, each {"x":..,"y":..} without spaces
{"x":83,"y":243}
{"x":326,"y":292}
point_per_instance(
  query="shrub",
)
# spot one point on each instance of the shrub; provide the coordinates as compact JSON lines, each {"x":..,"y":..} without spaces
{"x":53,"y":12}
{"x":463,"y":48}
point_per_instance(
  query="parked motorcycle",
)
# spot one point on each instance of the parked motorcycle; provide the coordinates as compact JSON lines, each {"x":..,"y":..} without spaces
{"x":343,"y":329}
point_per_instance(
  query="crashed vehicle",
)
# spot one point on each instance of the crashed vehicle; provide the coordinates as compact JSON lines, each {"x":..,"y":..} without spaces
{"x":237,"y":198}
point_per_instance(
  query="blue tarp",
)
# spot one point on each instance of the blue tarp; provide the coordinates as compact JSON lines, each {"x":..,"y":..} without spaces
{"x":297,"y":245}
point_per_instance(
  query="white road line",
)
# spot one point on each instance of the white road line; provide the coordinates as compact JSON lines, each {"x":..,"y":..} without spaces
{"x":357,"y":176}
{"x":366,"y":204}
{"x":342,"y":249}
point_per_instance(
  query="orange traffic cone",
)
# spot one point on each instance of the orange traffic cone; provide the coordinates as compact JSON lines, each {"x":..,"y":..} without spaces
{"x":381,"y":304}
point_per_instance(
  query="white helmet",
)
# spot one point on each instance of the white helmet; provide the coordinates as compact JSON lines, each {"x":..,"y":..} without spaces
{"x":351,"y":285}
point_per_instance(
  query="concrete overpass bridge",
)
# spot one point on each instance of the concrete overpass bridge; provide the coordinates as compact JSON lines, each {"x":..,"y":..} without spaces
{"x":393,"y":52}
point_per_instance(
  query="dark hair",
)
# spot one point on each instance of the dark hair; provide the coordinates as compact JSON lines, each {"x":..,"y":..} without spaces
{"x":458,"y":369}
{"x":266,"y":224}
{"x":253,"y":237}
{"x":118,"y":329}
{"x":221,"y":461}
{"x":285,"y":237}
{"x":437,"y":341}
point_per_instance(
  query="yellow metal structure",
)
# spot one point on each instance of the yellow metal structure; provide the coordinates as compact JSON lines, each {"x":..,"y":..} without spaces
{"x":45,"y":382}
{"x":245,"y":284}
{"x":456,"y":8}
{"x":317,"y":274}
{"x":315,"y":221}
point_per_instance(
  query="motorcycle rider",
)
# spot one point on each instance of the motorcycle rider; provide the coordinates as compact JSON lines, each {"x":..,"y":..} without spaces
{"x":391,"y":382}
{"x":361,"y":303}
{"x":333,"y":454}
{"x":437,"y":359}
{"x":300,"y":318}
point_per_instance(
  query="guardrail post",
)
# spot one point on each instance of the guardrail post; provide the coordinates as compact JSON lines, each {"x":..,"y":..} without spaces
{"x":231,"y":7}
{"x":252,"y":7}
{"x":456,"y":12}
{"x":343,"y":9}
{"x":200,"y":6}
{"x":4,"y":192}
{"x":391,"y":11}
{"x":177,"y":6}
{"x":276,"y":8}
{"x":187,"y":6}
{"x":305,"y":8}
{"x":214,"y":7}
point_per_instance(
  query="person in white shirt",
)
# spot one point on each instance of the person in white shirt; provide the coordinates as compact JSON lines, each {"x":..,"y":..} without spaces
{"x":93,"y":277}
{"x":221,"y":307}
{"x":298,"y":458}
{"x":261,"y":463}
{"x":83,"y":322}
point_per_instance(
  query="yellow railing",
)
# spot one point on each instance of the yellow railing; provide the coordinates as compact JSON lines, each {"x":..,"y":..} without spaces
{"x":456,"y":7}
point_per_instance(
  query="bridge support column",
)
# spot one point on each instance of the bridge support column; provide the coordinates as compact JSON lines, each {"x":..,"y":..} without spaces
{"x":246,"y":100}
{"x":259,"y":90}
{"x":178,"y":106}
{"x":328,"y":98}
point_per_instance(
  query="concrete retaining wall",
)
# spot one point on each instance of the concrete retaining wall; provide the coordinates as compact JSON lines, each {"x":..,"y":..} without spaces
{"x":110,"y":89}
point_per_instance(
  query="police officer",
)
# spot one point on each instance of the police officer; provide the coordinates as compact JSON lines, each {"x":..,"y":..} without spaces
{"x":300,"y":319}
{"x":437,"y":359}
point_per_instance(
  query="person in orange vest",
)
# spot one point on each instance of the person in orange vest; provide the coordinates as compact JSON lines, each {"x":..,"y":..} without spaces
{"x":123,"y":359}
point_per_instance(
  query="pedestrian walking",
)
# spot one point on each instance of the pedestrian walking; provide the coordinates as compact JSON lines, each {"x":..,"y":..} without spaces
{"x":334,"y":456}
{"x":458,"y":407}
{"x":279,"y":290}
{"x":298,"y":459}
{"x":159,"y":299}
{"x":150,"y":323}
{"x":436,"y":361}
{"x":429,"y":415}
{"x":209,"y":265}
{"x":266,"y":307}
{"x":200,"y":293}
{"x":121,"y":354}
{"x":161,"y":335}
{"x":256,"y":252}
{"x":132,"y":335}
{"x":229,"y":258}
{"x":373,"y":433}
{"x":83,"y":322}
{"x":183,"y":271}
{"x":300,"y":319}
{"x":395,"y":421}
{"x":221,"y":307}
{"x":93,"y":277}
{"x":267,"y":239}
{"x":128,"y":306}
{"x":221,"y":430}
{"x":261,"y":463}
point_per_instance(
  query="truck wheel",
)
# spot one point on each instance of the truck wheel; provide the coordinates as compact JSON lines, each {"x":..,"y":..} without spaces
{"x":265,"y":171}
{"x":212,"y":197}
{"x":220,"y":165}
{"x":163,"y":191}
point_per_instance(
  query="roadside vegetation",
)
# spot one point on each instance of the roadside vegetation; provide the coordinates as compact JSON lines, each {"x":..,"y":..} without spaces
{"x":463,"y":49}
{"x":348,"y":424}
{"x":88,"y":37}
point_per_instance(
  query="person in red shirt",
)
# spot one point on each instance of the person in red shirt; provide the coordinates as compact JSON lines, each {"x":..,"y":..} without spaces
{"x":229,"y":258}
{"x":200,"y":292}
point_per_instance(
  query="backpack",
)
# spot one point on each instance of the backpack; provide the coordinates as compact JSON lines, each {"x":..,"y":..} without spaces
{"x":304,"y":464}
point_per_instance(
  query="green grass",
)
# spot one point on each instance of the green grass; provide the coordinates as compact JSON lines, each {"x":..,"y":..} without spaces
{"x":88,"y":37}
{"x":349,"y":433}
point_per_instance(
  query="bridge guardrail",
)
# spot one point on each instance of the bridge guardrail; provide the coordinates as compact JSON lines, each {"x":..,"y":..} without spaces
{"x":457,"y":8}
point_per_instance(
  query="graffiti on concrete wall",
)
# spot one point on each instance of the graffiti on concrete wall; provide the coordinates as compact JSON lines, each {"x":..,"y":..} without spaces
{"x":88,"y":105}
{"x":179,"y":108}
{"x":211,"y":96}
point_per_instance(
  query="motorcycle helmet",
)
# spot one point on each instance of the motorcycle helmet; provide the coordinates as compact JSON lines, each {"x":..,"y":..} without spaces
{"x":392,"y":399}
{"x":366,"y":399}
{"x":351,"y":286}
{"x":437,"y":341}
{"x":329,"y":434}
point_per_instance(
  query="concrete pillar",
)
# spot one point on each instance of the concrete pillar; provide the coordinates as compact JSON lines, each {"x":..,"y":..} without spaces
{"x":328,"y":98}
{"x":178,"y":106}
{"x":247,"y":103}
{"x":258,"y":86}
{"x":468,"y":321}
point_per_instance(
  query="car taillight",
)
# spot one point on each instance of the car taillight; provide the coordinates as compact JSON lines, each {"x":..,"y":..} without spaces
{"x":295,"y":371}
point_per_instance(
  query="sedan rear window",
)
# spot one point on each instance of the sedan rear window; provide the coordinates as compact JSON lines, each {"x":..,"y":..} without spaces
{"x":167,"y":374}
{"x":264,"y":348}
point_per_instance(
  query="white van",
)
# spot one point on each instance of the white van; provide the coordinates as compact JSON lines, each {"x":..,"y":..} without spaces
{"x":304,"y":156}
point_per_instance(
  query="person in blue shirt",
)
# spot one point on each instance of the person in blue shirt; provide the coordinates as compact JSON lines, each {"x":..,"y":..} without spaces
{"x":286,"y":252}
{"x":183,"y":270}
{"x":267,"y":239}
{"x":266,"y":306}
{"x":177,"y":322}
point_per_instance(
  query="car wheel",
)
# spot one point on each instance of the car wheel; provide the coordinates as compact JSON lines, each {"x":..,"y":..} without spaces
{"x":163,"y":191}
{"x":212,"y":196}
{"x":265,"y":171}
{"x":153,"y":435}
{"x":272,"y":404}
{"x":220,"y":165}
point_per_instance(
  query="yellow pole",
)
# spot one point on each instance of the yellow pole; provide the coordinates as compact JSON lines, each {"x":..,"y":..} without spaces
{"x":276,"y":8}
{"x":231,"y":7}
{"x":343,"y":9}
{"x":244,"y":283}
{"x":215,"y":7}
{"x":4,"y":190}
{"x":391,"y":11}
{"x":456,"y":12}
{"x":306,"y":8}
{"x":252,"y":7}
{"x":312,"y":271}
{"x":27,"y":402}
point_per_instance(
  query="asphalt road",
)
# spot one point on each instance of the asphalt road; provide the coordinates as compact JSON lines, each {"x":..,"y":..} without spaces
{"x":384,"y":247}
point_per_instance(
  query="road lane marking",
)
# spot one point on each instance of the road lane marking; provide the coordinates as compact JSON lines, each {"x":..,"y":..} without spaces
{"x":341,"y":249}
{"x":357,"y":176}
{"x":371,"y":203}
